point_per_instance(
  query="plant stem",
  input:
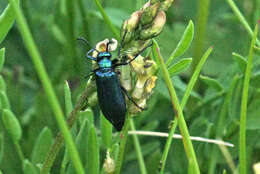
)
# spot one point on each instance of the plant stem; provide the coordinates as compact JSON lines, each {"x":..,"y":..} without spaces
{"x":37,"y":60}
{"x":242,"y":132}
{"x":138,"y":149}
{"x":107,"y":20}
{"x":183,"y":103}
{"x":123,"y":135}
{"x":178,"y":113}
{"x":242,"y":19}
{"x":202,"y":20}
{"x":220,"y":124}
{"x":54,"y":150}
{"x":19,"y":151}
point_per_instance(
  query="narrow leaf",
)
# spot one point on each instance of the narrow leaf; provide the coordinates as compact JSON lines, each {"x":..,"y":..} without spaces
{"x":67,"y":96}
{"x":42,"y":146}
{"x":180,"y":66}
{"x":183,"y":44}
{"x":4,"y":100}
{"x":211,"y":82}
{"x":29,"y":168}
{"x":241,"y":61}
{"x":92,"y":165}
{"x":81,"y":143}
{"x":106,"y":131}
{"x":7,"y":19}
{"x":2,"y":84}
{"x":87,"y":114}
{"x":58,"y":34}
{"x":2,"y":56}
{"x":12,"y":125}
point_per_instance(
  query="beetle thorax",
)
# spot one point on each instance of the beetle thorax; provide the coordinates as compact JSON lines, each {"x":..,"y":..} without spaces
{"x":105,"y":63}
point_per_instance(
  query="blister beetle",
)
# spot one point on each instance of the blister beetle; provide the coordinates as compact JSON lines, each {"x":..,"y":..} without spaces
{"x":109,"y":90}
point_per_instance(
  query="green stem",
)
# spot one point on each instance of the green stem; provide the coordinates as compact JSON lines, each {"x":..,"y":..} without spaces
{"x":178,"y":113}
{"x":242,"y":132}
{"x":242,"y":19}
{"x":202,"y":20}
{"x":107,"y":20}
{"x":183,"y":103}
{"x":123,"y":135}
{"x":220,"y":124}
{"x":19,"y":151}
{"x":138,"y":149}
{"x":54,"y":150}
{"x":37,"y":60}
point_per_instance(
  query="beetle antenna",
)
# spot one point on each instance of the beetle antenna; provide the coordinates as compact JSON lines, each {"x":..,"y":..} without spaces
{"x":108,"y":45}
{"x":85,"y":40}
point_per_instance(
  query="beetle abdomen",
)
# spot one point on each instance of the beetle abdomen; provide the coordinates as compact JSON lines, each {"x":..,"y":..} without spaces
{"x":110,"y":97}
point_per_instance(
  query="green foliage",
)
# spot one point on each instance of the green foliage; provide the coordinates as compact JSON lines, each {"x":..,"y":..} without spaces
{"x":39,"y":151}
{"x":12,"y":125}
{"x":180,"y":66}
{"x":211,"y":108}
{"x":92,"y":161}
{"x":29,"y":168}
{"x":7,"y":19}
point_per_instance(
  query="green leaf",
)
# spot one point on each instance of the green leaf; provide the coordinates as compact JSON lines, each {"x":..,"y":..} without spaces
{"x":4,"y":100}
{"x":29,"y":168}
{"x":2,"y":84}
{"x":92,"y":165}
{"x":58,"y":34}
{"x":67,"y":96}
{"x":7,"y":19}
{"x":183,"y":44}
{"x":240,"y":60}
{"x":211,"y":82}
{"x":81,"y":143}
{"x":12,"y":125}
{"x":2,"y":57}
{"x":106,"y":131}
{"x":86,"y":114}
{"x":42,"y":146}
{"x":180,"y":66}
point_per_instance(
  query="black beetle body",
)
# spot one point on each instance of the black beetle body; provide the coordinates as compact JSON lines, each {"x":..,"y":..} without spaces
{"x":110,"y":92}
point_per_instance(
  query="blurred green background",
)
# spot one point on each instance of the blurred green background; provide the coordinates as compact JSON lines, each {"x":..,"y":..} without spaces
{"x":55,"y":29}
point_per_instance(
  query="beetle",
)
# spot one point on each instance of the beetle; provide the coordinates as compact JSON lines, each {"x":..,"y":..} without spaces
{"x":111,"y":94}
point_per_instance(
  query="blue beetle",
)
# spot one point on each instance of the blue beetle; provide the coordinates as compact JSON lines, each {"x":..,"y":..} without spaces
{"x":110,"y":92}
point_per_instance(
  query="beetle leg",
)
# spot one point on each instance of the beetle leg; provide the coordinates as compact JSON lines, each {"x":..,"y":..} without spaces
{"x":130,"y":98}
{"x":90,"y":57}
{"x":114,"y":61}
{"x":140,"y":52}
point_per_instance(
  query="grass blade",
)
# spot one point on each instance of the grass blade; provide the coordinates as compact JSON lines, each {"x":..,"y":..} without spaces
{"x":2,"y":57}
{"x":37,"y":60}
{"x":106,"y":131}
{"x":93,"y":152}
{"x":243,"y":113}
{"x":42,"y":146}
{"x":178,"y":110}
{"x":107,"y":20}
